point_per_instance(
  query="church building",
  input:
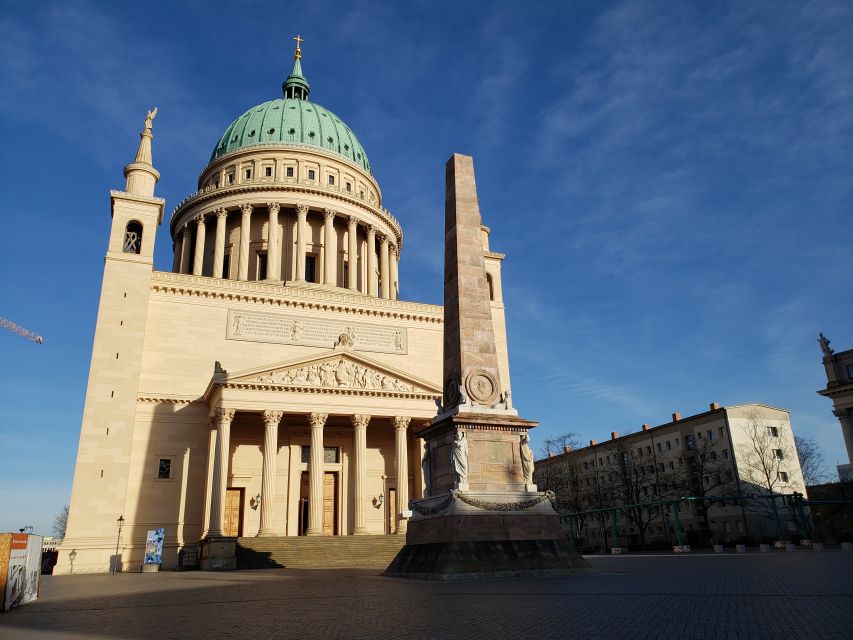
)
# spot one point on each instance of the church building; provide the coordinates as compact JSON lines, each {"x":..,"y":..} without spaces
{"x":271,"y":383}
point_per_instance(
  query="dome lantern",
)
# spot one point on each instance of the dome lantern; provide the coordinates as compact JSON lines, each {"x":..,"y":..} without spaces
{"x":296,"y":86}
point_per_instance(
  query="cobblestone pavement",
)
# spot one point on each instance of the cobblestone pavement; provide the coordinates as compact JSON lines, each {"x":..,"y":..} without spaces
{"x":777,"y":595}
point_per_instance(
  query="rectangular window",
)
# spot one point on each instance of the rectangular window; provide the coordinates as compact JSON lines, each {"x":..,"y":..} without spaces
{"x":689,"y":442}
{"x":677,"y":443}
{"x":288,"y":172}
{"x":262,"y":266}
{"x":671,"y":465}
{"x":850,"y":370}
{"x":331,"y":180}
{"x":660,"y":448}
{"x":728,"y":476}
{"x":777,"y":453}
{"x":331,"y":455}
{"x":361,"y":194}
{"x":164,"y":469}
{"x":710,"y":435}
{"x":649,"y":449}
{"x":660,"y":466}
{"x":311,"y":174}
{"x":699,"y":435}
{"x":226,"y":265}
{"x":668,"y":446}
{"x":349,"y":187}
{"x":773,"y":432}
{"x":725,"y":454}
{"x":345,"y":275}
{"x":310,"y":268}
{"x":722,"y":432}
{"x":230,"y":178}
{"x":268,"y":171}
{"x":783,"y":476}
{"x":248,"y":174}
{"x":600,"y":462}
{"x":640,"y":451}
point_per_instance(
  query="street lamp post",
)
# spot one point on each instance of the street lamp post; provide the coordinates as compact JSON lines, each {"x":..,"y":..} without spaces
{"x":118,"y":541}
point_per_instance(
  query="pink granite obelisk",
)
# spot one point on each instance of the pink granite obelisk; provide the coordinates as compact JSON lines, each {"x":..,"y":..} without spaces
{"x":482,"y":516}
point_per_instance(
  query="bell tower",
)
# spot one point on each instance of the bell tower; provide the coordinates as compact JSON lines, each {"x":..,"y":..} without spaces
{"x":103,"y":458}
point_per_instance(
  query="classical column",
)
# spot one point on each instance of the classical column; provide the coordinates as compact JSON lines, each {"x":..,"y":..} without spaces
{"x":301,"y":230}
{"x":352,"y":253}
{"x":211,"y":460}
{"x":395,"y":286}
{"x":315,"y":475}
{"x":223,"y":419}
{"x":219,"y":247}
{"x":245,"y":230}
{"x":330,"y":271}
{"x":372,"y":287}
{"x":359,"y":424}
{"x":846,"y":421}
{"x":273,"y":250}
{"x":271,"y":420}
{"x":401,"y":424}
{"x":198,"y":260}
{"x":186,"y":240}
{"x":384,"y":275}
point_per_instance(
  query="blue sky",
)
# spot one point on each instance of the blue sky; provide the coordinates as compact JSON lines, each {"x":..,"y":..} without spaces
{"x":672,"y":184}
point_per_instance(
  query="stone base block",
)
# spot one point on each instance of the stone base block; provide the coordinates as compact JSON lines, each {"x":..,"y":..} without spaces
{"x":764,"y":548}
{"x":150,"y":568}
{"x":487,"y":559}
{"x":617,"y":551}
{"x":740,"y":548}
{"x":847,"y":546}
{"x":218,"y":554}
{"x":681,"y":548}
{"x":817,"y":546}
{"x":790,"y":546}
{"x":718,"y":548}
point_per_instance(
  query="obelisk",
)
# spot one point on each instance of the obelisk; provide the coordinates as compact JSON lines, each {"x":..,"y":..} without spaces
{"x":482,"y":516}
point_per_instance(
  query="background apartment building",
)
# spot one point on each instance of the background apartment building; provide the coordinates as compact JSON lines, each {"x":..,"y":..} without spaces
{"x":744,"y":450}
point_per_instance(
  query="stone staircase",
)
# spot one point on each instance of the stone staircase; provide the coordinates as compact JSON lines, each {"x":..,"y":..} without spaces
{"x":317,"y":552}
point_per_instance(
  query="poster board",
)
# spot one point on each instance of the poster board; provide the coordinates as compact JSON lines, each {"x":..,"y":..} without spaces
{"x":154,"y":546}
{"x":23,"y":570}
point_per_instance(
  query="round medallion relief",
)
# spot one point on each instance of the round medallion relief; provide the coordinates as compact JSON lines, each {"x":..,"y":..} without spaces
{"x":482,"y":387}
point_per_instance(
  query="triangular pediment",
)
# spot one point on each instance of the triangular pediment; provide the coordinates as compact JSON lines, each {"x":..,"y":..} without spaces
{"x":341,"y":370}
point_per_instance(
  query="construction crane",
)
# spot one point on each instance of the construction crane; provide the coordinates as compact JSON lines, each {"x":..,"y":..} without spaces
{"x":29,"y":335}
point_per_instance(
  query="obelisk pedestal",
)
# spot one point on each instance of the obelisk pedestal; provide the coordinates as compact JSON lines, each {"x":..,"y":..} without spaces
{"x":482,"y":515}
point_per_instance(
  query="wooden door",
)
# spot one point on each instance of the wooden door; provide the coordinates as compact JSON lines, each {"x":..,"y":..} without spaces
{"x":303,"y":504}
{"x":392,"y":510}
{"x":233,"y":512}
{"x":330,"y":511}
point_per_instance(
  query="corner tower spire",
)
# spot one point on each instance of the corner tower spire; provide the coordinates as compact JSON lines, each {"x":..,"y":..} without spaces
{"x":141,"y":174}
{"x":296,"y":86}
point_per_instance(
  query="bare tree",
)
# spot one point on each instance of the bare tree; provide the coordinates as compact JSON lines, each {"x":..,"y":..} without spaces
{"x":60,"y":522}
{"x":633,"y":483}
{"x":705,"y":474}
{"x":560,"y":473}
{"x":763,"y":453}
{"x":811,"y":458}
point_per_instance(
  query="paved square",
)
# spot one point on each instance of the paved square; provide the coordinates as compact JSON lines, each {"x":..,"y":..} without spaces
{"x":777,"y":595}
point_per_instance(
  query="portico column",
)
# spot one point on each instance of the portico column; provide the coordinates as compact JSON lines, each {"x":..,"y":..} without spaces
{"x":219,"y":246}
{"x":359,"y":424}
{"x":330,"y":271}
{"x":176,"y":258}
{"x":401,"y":424}
{"x":198,"y":261}
{"x":394,"y":273}
{"x":301,"y":224}
{"x":245,"y":230}
{"x":315,"y":475}
{"x":372,"y":285}
{"x":185,"y":248}
{"x":273,"y":251}
{"x":271,"y":420}
{"x":846,"y":421}
{"x":383,"y":267}
{"x":352,"y":253}
{"x":220,"y":471}
{"x":211,"y":462}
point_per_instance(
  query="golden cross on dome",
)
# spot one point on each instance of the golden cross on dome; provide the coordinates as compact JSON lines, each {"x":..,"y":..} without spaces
{"x":299,"y":41}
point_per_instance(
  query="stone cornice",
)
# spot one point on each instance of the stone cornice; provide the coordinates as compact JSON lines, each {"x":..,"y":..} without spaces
{"x":302,"y":296}
{"x":289,"y":388}
{"x":156,"y":398}
{"x":160,"y":203}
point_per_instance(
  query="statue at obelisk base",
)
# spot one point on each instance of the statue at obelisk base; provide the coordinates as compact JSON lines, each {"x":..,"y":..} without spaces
{"x":481,"y":515}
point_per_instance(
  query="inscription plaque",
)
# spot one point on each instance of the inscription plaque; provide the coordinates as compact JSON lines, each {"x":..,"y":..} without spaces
{"x":283,"y":329}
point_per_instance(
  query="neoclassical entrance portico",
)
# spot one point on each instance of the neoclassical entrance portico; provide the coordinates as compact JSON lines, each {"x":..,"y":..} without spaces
{"x":300,"y":422}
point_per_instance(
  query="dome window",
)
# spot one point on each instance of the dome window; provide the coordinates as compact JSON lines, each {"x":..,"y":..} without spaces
{"x":260,"y":109}
{"x":311,"y":174}
{"x":311,"y":134}
{"x":271,"y":130}
{"x":330,"y":139}
{"x":268,"y":172}
{"x":308,"y":110}
{"x":251,"y":133}
{"x":291,"y":131}
{"x":289,"y":172}
{"x":276,"y":108}
{"x":132,"y":238}
{"x":331,"y":180}
{"x":346,"y":147}
{"x":235,"y":138}
{"x":248,"y":174}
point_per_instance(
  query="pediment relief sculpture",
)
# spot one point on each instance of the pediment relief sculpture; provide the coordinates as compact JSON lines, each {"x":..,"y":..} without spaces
{"x":337,"y":373}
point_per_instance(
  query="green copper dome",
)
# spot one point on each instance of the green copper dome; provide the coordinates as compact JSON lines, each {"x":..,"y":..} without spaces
{"x":292,"y":120}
